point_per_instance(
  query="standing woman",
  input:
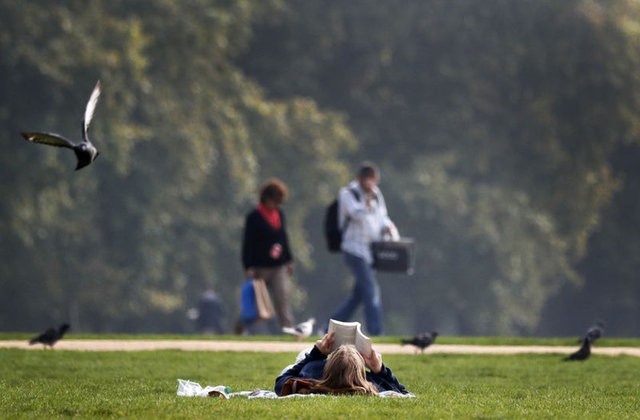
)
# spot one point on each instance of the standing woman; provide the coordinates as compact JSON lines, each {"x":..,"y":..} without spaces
{"x":265,"y":248}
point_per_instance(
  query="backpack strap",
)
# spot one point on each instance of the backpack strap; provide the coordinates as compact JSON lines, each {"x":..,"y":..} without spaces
{"x":356,"y":195}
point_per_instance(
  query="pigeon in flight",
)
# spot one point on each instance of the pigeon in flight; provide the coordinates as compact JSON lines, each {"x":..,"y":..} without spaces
{"x":583,"y":352}
{"x":596,"y":331}
{"x":302,"y":330}
{"x":422,"y":340}
{"x":50,"y":336}
{"x":85,"y":151}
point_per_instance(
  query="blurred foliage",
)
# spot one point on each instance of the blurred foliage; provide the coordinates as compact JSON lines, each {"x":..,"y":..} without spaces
{"x":129,"y":243}
{"x":494,"y":123}
{"x":499,"y":127}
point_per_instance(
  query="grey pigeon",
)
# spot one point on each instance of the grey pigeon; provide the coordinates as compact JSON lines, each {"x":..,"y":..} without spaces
{"x":583,"y":352}
{"x":50,"y":336}
{"x":85,"y":151}
{"x":422,"y":340}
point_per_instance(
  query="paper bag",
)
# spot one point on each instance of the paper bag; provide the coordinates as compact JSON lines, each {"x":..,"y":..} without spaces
{"x":263,"y":300}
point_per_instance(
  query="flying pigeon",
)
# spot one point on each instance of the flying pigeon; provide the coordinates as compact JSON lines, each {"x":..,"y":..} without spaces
{"x":50,"y":336}
{"x":583,"y":352}
{"x":85,"y":151}
{"x":302,"y":330}
{"x":422,"y":340}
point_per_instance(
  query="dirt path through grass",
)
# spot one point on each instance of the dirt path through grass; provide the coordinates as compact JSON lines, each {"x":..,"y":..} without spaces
{"x":294,"y":347}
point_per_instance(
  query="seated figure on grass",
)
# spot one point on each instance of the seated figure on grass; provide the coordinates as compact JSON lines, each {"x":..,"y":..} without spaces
{"x":343,"y":371}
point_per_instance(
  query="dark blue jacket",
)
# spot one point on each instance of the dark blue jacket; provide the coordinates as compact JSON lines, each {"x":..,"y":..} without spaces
{"x":312,"y":365}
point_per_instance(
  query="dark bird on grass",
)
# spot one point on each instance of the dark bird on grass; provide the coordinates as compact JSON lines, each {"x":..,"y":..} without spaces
{"x":583,"y":352}
{"x":595,"y":331}
{"x":422,"y":340}
{"x":85,"y":151}
{"x":50,"y":336}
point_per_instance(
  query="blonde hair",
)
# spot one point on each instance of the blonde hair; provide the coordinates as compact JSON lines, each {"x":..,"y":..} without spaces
{"x":344,"y":373}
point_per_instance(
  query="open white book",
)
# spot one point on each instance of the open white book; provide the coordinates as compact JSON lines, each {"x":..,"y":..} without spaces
{"x":349,"y":333}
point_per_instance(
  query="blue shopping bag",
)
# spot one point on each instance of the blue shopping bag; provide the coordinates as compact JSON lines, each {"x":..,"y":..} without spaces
{"x":248,"y":307}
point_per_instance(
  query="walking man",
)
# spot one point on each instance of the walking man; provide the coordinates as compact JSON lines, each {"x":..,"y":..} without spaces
{"x":362,"y":216}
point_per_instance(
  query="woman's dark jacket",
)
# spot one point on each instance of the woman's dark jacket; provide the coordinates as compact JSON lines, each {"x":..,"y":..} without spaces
{"x":260,"y":238}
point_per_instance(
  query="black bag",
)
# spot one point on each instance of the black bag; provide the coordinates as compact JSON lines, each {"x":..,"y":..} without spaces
{"x":396,"y":256}
{"x":332,"y":231}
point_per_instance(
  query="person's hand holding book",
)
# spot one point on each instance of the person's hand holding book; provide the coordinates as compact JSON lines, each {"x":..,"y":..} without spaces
{"x":373,"y":361}
{"x":325,"y":344}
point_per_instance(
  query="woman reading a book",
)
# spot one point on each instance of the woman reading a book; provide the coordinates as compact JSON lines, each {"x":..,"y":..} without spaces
{"x":341,"y":371}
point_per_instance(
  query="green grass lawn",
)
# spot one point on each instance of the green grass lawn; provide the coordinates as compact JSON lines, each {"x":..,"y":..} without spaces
{"x":38,"y":383}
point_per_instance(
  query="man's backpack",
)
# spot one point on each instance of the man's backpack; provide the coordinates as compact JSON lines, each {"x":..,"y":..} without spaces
{"x":332,"y":231}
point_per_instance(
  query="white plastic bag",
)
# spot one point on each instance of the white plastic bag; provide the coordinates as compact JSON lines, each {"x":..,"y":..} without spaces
{"x":194,"y":389}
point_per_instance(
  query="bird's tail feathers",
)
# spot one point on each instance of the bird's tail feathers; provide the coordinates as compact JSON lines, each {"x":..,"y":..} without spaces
{"x":289,"y":330}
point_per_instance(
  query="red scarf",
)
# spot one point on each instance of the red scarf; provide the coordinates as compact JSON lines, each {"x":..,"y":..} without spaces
{"x":272,"y":216}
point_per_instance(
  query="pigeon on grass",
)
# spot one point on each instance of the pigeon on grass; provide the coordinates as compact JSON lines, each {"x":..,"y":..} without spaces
{"x":421,"y":341}
{"x":50,"y":336}
{"x":593,"y":333}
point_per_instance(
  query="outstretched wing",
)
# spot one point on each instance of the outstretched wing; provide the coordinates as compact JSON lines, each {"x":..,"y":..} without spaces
{"x":48,"y":138}
{"x":91,"y":106}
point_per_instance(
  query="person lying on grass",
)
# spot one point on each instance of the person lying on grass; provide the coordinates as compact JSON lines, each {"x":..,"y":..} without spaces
{"x":341,"y":372}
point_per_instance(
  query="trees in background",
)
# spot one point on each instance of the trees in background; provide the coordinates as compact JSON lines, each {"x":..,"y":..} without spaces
{"x":129,"y":243}
{"x":496,"y":121}
{"x":498,"y":127}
